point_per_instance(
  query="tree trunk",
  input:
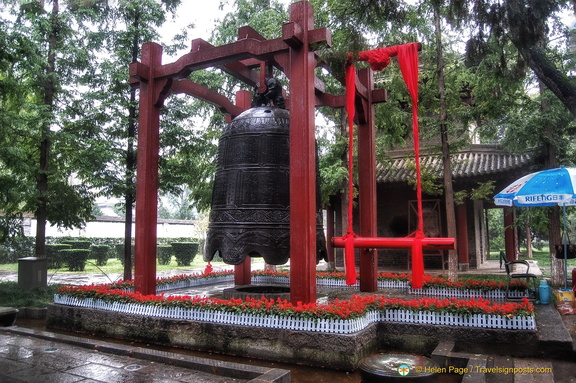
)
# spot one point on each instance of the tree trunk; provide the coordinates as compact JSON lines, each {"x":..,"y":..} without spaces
{"x":129,"y":183}
{"x":528,"y":238}
{"x":448,"y":190}
{"x":551,"y":161}
{"x":44,"y":147}
{"x":534,"y":54}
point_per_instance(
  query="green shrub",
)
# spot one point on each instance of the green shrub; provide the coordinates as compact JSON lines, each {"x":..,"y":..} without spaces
{"x":79,"y":244}
{"x":119,"y":248}
{"x":164,"y":254}
{"x":185,"y":252}
{"x":4,"y":255}
{"x":17,"y":247}
{"x":55,"y":258}
{"x":75,"y":258}
{"x":100,"y":254}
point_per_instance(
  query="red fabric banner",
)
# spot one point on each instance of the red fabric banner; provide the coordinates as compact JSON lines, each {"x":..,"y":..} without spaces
{"x":350,"y":110}
{"x":349,"y":258}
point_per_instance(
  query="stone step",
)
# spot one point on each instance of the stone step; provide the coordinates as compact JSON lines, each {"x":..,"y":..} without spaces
{"x":483,"y":368}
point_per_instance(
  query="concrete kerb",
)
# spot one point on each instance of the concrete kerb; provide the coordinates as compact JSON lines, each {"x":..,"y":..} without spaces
{"x":253,"y":374}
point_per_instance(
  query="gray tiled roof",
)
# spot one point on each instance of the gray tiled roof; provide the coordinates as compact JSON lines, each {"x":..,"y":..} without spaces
{"x":475,"y":161}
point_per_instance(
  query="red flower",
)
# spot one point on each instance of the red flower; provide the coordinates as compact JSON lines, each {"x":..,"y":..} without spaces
{"x":355,"y":307}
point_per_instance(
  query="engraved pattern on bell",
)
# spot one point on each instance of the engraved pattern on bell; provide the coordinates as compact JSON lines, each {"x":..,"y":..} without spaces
{"x":250,"y":212}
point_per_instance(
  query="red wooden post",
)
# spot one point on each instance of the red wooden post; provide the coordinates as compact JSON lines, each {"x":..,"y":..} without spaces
{"x":302,"y":158}
{"x":147,"y":174}
{"x":367,"y":186}
{"x":243,"y":271}
{"x":462,"y":234}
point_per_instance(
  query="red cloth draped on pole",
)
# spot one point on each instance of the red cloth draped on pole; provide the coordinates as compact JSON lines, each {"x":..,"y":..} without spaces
{"x":350,"y":110}
{"x":378,"y":59}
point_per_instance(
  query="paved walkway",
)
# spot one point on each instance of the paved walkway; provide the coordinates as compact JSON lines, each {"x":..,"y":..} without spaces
{"x":34,"y":356}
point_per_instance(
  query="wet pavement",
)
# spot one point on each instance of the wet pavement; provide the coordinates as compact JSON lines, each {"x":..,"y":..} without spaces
{"x":29,"y":355}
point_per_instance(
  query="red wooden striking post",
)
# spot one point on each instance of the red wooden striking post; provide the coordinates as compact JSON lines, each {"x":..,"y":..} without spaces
{"x":302,"y":158}
{"x":367,"y":186}
{"x":147,"y":173}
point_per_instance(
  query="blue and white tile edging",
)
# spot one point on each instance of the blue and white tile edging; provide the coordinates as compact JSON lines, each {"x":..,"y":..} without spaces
{"x":334,"y":326}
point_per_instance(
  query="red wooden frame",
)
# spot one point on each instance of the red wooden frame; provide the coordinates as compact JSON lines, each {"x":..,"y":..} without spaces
{"x":293,"y":54}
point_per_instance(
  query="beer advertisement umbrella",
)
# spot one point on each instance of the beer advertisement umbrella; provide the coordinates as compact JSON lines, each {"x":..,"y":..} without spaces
{"x":544,"y":188}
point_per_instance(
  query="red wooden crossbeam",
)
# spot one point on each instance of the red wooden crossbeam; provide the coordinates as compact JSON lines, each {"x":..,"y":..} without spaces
{"x":396,"y":243}
{"x":416,"y":243}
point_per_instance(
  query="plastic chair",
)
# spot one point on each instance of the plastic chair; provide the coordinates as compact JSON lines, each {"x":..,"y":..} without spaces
{"x":530,"y":279}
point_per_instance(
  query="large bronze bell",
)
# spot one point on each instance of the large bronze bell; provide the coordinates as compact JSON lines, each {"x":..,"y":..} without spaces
{"x":250,"y":213}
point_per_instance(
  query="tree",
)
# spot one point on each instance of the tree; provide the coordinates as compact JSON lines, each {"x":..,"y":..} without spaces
{"x":112,"y":124}
{"x":176,"y":206}
{"x":42,"y":60}
{"x":444,"y":139}
{"x":526,"y":24}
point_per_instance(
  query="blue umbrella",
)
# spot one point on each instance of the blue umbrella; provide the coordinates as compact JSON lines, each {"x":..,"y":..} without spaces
{"x":545,"y":188}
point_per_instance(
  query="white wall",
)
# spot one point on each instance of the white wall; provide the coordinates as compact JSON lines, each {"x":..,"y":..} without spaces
{"x":113,"y":227}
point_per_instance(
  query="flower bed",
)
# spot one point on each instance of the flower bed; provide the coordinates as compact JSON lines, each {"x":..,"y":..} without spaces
{"x":339,"y":316}
{"x":433,"y":286}
{"x":441,"y":287}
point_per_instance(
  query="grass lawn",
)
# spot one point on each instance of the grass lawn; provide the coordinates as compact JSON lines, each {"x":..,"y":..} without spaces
{"x":12,"y":295}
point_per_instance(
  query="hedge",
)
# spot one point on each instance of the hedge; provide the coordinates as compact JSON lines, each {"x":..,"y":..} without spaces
{"x":21,"y":247}
{"x":75,"y":258}
{"x":185,"y":252}
{"x":164,"y":254}
{"x":100,"y":254}
{"x":119,"y":248}
{"x":78,"y":244}
{"x":18,"y":247}
{"x":55,"y":258}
